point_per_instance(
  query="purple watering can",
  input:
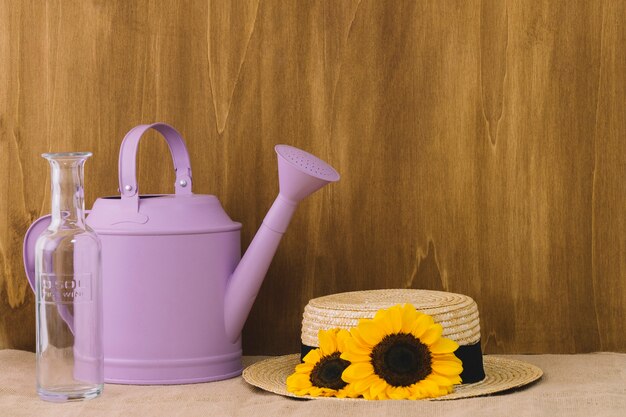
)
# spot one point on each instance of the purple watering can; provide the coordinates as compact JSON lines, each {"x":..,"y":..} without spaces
{"x":176,"y":294}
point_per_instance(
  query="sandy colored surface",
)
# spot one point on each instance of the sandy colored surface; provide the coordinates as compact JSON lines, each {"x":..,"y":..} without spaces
{"x":573,"y":385}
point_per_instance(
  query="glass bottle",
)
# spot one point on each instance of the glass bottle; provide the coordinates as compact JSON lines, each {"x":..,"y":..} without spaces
{"x":68,"y":291}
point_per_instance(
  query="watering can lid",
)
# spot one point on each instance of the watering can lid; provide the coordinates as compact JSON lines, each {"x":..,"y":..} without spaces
{"x":160,"y":214}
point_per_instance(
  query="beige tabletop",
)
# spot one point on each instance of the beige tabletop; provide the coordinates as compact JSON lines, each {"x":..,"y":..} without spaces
{"x":591,"y":385}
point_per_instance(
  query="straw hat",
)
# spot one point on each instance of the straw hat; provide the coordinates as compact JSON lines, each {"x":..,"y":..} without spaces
{"x":457,"y":314}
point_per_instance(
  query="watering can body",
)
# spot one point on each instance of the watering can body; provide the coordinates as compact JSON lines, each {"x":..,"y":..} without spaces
{"x":163,"y":292}
{"x":175,"y":292}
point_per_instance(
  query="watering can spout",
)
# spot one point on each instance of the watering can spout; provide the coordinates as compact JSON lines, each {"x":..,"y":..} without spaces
{"x":299,"y":174}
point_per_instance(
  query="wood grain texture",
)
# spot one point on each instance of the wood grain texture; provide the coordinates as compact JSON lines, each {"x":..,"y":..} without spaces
{"x":481,"y":146}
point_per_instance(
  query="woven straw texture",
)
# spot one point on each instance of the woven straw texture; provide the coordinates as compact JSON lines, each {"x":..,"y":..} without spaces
{"x":457,"y":313}
{"x":502,"y":374}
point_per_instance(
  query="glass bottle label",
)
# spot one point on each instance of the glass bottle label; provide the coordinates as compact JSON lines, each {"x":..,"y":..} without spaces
{"x":65,"y":288}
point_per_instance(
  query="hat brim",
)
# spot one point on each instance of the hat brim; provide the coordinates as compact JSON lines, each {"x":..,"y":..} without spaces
{"x":502,"y":374}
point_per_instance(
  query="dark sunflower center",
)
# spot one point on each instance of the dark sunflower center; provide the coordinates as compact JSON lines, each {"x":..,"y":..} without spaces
{"x":327,"y":372}
{"x":401,"y":359}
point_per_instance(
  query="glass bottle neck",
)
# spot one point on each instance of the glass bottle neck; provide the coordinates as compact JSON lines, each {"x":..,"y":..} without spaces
{"x":68,"y":200}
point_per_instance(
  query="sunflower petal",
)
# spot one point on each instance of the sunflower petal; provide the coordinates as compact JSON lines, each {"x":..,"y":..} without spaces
{"x":357,"y":340}
{"x":377,"y":387}
{"x":364,"y":384}
{"x":355,"y":357}
{"x":327,"y":392}
{"x":417,"y":394}
{"x":444,"y":345}
{"x":298,"y":381}
{"x":449,"y":357}
{"x":398,"y":393}
{"x":455,"y":380}
{"x":351,"y":393}
{"x":409,"y":315}
{"x":342,"y":393}
{"x":312,"y":357}
{"x":327,"y":342}
{"x":383,"y":395}
{"x":395,"y":319}
{"x":303,"y":368}
{"x":346,"y":392}
{"x":366,"y":395}
{"x":431,"y":335}
{"x":370,"y":332}
{"x":429,"y":387}
{"x":357,"y":371}
{"x":381,"y":318}
{"x":447,"y":368}
{"x":342,"y":337}
{"x":421,"y":324}
{"x":315,"y":392}
{"x":440,"y":380}
{"x":354,"y":346}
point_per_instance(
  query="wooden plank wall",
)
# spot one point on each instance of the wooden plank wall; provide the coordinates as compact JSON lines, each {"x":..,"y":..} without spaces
{"x":482,"y":145}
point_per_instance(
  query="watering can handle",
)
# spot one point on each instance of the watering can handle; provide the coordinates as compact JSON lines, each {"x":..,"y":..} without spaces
{"x":128,"y":161}
{"x":30,"y":242}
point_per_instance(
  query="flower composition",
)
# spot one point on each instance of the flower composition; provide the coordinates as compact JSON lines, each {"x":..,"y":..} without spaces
{"x":320,"y":373}
{"x":400,"y":354}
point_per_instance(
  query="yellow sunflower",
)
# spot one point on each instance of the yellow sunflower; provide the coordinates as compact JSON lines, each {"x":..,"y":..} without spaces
{"x":320,"y":373}
{"x":398,"y":354}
